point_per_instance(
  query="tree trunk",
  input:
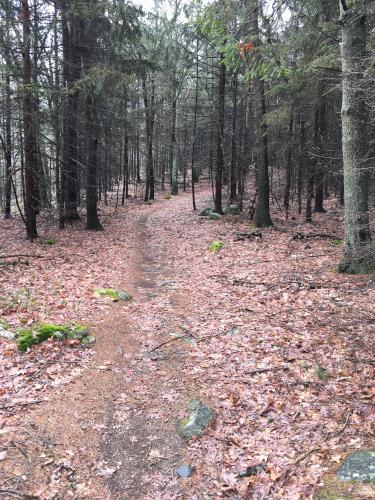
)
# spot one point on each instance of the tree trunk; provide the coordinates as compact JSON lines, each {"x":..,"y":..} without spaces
{"x":289,"y":171}
{"x":262,"y":212}
{"x":233,"y":160}
{"x":28,"y":127}
{"x":174,"y":163}
{"x":8,"y":122}
{"x":320,"y":133}
{"x":72,"y":33}
{"x":358,"y":256}
{"x":220,"y":139}
{"x":8,"y":147}
{"x":92,"y":164}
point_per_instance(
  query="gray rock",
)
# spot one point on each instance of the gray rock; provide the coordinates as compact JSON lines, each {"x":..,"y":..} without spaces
{"x":206,"y":212}
{"x":196,"y":424}
{"x":184,"y":471}
{"x":233,"y":210}
{"x":359,"y":466}
{"x":214,"y":216}
{"x":6,"y":334}
{"x":124,"y":296}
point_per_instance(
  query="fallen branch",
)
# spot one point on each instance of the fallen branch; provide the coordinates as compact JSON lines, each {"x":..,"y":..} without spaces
{"x":248,"y":236}
{"x":305,"y":236}
{"x":265,"y":370}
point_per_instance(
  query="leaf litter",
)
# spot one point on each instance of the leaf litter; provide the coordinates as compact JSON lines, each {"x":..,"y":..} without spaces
{"x":281,"y":351}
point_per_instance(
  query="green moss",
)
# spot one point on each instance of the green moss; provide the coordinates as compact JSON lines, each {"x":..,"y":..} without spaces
{"x":4,"y":325}
{"x":184,"y":421}
{"x":216,"y":246}
{"x":336,"y":243}
{"x":168,"y":197}
{"x":334,"y":490}
{"x":48,"y":241}
{"x":321,"y":373}
{"x":27,"y":337}
{"x":114,"y":295}
{"x":327,"y":494}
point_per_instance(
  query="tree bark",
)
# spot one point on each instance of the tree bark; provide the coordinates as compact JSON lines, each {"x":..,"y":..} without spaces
{"x":220,"y":139}
{"x":233,"y":160}
{"x":28,"y":127}
{"x":358,"y":255}
{"x":262,"y":212}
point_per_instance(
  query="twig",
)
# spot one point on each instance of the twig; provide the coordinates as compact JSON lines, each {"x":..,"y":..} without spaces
{"x":15,"y":494}
{"x":26,"y":403}
{"x":17,"y":255}
{"x":318,"y":447}
{"x":169,"y":341}
{"x":364,"y":361}
{"x":265,"y":370}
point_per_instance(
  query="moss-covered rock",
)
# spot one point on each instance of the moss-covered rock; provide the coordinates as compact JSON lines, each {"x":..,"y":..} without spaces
{"x":214,"y":216}
{"x":113,"y":295}
{"x":27,"y":337}
{"x":201,"y":417}
{"x":358,"y":466}
{"x":206,"y":212}
{"x":233,"y":210}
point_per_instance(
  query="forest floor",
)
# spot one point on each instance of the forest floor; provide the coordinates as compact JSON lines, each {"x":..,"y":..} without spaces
{"x":272,"y":338}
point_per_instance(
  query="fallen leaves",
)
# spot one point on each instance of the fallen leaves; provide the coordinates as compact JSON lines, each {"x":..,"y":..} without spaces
{"x":281,"y":344}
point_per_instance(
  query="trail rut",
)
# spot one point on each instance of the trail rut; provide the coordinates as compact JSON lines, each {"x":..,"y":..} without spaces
{"x":108,"y":432}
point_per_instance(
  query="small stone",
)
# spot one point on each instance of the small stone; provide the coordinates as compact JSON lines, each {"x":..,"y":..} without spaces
{"x":234,"y":331}
{"x":253,"y":470}
{"x":5,"y":334}
{"x":124,"y":296}
{"x":184,"y":471}
{"x":359,"y":466}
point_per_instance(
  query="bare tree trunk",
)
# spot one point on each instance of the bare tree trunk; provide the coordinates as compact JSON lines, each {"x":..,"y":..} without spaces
{"x":289,"y":172}
{"x":174,"y":163}
{"x":28,"y":127}
{"x":220,"y":139}
{"x":358,"y":256}
{"x":262,"y":212}
{"x":233,"y":160}
{"x":8,"y":147}
{"x":8,"y":122}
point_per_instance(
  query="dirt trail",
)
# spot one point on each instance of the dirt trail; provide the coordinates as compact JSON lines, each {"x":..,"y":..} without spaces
{"x":102,"y":436}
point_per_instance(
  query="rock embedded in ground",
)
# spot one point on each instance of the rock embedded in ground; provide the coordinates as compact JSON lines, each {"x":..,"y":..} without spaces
{"x":206,"y":212}
{"x":359,"y":466}
{"x":233,"y":210}
{"x":214,"y":216}
{"x":113,"y":295}
{"x":184,"y":471}
{"x":201,"y":417}
{"x":6,"y":334}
